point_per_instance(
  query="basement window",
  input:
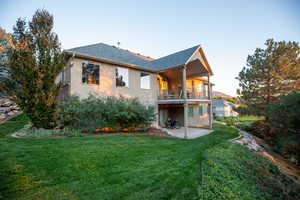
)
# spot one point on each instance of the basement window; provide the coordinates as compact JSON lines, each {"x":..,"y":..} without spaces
{"x":145,"y":80}
{"x":90,"y":73}
{"x":201,"y":110}
{"x":121,"y":77}
{"x":191,"y":111}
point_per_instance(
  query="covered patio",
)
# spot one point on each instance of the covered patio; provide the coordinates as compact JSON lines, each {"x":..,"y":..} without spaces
{"x":192,"y":133}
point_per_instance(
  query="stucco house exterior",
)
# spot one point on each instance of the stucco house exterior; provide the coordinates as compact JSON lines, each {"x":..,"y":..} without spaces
{"x":177,"y":85}
{"x":223,"y":108}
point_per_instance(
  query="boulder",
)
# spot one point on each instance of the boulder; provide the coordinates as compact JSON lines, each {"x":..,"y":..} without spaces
{"x":4,"y":110}
{"x":2,"y":117}
{"x":7,"y":109}
{"x":11,"y":113}
{"x":7,"y":104}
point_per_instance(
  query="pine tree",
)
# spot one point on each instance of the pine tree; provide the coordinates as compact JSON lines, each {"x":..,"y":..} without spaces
{"x":35,"y":62}
{"x":269,"y":73}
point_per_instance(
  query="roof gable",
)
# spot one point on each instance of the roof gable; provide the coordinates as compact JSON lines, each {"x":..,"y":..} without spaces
{"x":173,"y":60}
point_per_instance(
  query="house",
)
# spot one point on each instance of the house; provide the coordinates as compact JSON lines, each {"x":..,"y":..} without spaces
{"x":223,"y":108}
{"x":177,"y":85}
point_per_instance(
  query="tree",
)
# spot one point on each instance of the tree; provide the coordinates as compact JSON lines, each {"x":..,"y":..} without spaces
{"x":35,"y":61}
{"x":285,"y":115}
{"x":269,"y":73}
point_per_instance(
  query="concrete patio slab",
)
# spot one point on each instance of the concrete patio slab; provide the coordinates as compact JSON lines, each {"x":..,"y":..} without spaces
{"x":192,"y":132}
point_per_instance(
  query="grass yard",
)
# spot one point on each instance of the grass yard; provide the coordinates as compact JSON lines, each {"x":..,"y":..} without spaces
{"x":242,"y":122}
{"x":246,"y":118}
{"x":134,"y":167}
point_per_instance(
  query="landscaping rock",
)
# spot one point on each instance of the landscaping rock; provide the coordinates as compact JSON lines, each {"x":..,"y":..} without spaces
{"x":7,"y":109}
{"x":249,"y":141}
{"x":11,"y":113}
{"x":7,"y":104}
{"x":2,"y":117}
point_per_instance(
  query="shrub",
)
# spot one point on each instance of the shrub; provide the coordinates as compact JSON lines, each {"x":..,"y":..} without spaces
{"x":245,"y":110}
{"x":230,"y":121}
{"x":111,"y":113}
{"x":246,"y":126}
{"x":262,"y":129}
{"x":285,"y":116}
{"x":289,"y":147}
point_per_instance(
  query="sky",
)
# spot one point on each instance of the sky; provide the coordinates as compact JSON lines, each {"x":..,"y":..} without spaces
{"x":228,"y":30}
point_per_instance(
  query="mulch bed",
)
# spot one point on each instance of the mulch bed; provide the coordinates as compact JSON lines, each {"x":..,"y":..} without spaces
{"x":151,"y":131}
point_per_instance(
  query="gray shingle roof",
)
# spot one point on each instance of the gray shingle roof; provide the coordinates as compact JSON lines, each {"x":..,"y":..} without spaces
{"x":105,"y":51}
{"x":172,"y":60}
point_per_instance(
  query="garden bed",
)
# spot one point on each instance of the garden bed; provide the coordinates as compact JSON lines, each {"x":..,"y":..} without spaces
{"x":151,"y":131}
{"x":26,"y":132}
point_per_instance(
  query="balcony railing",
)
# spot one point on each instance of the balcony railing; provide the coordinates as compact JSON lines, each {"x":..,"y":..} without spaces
{"x":190,"y":95}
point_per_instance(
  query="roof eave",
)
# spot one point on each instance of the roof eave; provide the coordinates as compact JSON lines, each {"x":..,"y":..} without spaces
{"x":205,"y":64}
{"x":108,"y":61}
{"x":205,"y":61}
{"x":168,"y":68}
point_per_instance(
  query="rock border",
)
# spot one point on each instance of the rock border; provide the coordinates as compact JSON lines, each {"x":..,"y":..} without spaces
{"x":258,"y":146}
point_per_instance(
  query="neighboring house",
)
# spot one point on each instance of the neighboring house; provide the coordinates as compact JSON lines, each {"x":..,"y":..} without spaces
{"x":177,"y":85}
{"x":223,"y":108}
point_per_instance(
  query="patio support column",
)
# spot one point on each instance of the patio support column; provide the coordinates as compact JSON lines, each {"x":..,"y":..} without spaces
{"x":209,"y":92}
{"x":185,"y":104}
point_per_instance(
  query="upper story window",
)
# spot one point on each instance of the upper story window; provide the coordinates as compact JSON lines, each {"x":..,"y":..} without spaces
{"x":145,"y":80}
{"x":121,"y":77}
{"x":90,"y":73}
{"x":200,"y":87}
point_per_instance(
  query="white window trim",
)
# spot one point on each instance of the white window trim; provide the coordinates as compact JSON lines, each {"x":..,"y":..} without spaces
{"x":128,"y":74}
{"x":149,"y":81}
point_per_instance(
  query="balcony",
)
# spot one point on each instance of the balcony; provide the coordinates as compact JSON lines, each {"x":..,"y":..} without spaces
{"x":190,"y":95}
{"x":192,"y":78}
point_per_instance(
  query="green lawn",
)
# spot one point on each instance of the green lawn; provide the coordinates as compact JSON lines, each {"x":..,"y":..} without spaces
{"x":133,"y":167}
{"x":250,"y":118}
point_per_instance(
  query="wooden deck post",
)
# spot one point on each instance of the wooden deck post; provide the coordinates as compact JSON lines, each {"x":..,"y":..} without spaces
{"x":185,"y":104}
{"x":209,"y":92}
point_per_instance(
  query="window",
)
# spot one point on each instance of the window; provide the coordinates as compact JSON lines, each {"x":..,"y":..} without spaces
{"x":90,"y":73}
{"x":145,"y":80}
{"x":200,"y":87}
{"x":201,"y":110}
{"x":121,"y":77}
{"x":191,"y":111}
